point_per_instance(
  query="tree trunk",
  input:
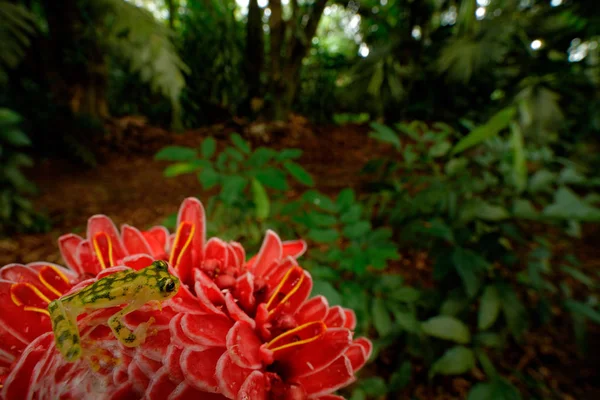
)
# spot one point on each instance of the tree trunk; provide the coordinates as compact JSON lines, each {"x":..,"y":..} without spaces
{"x":172,"y":7}
{"x":81,"y":83}
{"x":255,"y":52}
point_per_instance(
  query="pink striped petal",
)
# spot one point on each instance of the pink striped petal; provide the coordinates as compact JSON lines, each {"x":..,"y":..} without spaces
{"x":336,"y":318}
{"x":315,"y":309}
{"x":148,"y":366}
{"x":207,"y":330}
{"x":199,"y":368}
{"x":207,"y":286}
{"x":357,"y":356}
{"x":328,"y":380}
{"x":186,"y":392}
{"x":185,"y":302}
{"x":216,"y":249}
{"x":254,"y":387}
{"x":240,"y":253}
{"x":88,"y":262}
{"x":203,"y":298}
{"x":124,"y":392}
{"x":366,"y":345}
{"x":67,"y":245}
{"x":244,"y":292}
{"x":137,"y":377}
{"x":192,"y":211}
{"x":155,"y":345}
{"x":178,"y":336}
{"x":172,"y":362}
{"x":101,"y":224}
{"x":230,"y":376}
{"x":270,"y":252}
{"x":158,"y":239}
{"x":244,"y":346}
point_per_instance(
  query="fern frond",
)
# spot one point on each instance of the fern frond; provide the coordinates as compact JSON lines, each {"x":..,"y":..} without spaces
{"x":17,"y":26}
{"x":134,"y":34}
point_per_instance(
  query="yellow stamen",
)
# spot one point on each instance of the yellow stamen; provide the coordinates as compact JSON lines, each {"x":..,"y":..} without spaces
{"x":292,"y":332}
{"x":278,"y":289}
{"x":35,"y":290}
{"x":99,"y":253}
{"x":37,"y":309}
{"x":48,"y":285}
{"x":185,"y":245}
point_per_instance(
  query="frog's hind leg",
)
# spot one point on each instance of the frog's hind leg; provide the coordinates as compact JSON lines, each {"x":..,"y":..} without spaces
{"x":125,"y":335}
{"x":66,"y":334}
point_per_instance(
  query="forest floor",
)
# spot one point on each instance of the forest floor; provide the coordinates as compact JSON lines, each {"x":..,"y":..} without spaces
{"x":128,"y":186}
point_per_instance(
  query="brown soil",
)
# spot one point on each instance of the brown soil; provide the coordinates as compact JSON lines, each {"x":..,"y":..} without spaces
{"x":128,"y":186}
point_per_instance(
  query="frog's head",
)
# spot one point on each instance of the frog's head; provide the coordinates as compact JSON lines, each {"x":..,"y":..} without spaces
{"x":168,"y":284}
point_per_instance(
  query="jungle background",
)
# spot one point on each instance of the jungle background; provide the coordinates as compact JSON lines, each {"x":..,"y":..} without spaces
{"x":439,"y":156}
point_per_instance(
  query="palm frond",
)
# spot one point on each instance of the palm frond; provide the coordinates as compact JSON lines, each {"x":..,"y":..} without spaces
{"x":17,"y":26}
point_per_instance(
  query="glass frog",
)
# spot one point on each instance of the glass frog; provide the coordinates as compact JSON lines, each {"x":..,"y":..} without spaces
{"x":132,"y":288}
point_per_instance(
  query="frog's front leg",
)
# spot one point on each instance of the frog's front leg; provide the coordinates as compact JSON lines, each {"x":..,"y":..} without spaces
{"x":66,"y":333}
{"x":124,"y":334}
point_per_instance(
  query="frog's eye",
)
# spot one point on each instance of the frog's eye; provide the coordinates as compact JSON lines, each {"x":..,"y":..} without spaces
{"x":169,"y":285}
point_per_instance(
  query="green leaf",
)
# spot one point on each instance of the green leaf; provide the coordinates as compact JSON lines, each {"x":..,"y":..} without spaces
{"x":357,"y":230}
{"x":345,"y":199}
{"x":469,"y":267}
{"x":570,"y":176}
{"x":405,"y":294}
{"x":208,"y":177}
{"x":381,"y":317}
{"x":374,"y":386}
{"x":455,"y":361}
{"x":522,"y":208}
{"x":260,"y":157}
{"x":288,"y":154}
{"x":498,"y":389}
{"x":209,"y":145}
{"x":179,"y":169}
{"x":320,"y":200}
{"x":401,"y":377}
{"x":407,"y":321}
{"x":519,"y":166}
{"x":232,"y":189}
{"x":489,"y":309}
{"x":299,"y":173}
{"x":323,"y":235}
{"x":542,"y":180}
{"x":352,"y":215}
{"x":578,"y":275}
{"x":273,"y":178}
{"x":384,"y":134}
{"x":439,"y":149}
{"x":261,"y":200}
{"x":568,"y":205}
{"x":490,"y":212}
{"x":583,"y":309}
{"x":9,"y":117}
{"x":176,"y":153}
{"x":513,"y":310}
{"x":447,"y":328}
{"x":358,"y":394}
{"x":490,"y":129}
{"x":240,"y":143}
{"x":326,"y":289}
{"x":15,"y":137}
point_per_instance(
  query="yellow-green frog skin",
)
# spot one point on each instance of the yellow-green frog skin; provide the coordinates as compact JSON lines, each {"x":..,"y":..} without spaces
{"x":132,"y":288}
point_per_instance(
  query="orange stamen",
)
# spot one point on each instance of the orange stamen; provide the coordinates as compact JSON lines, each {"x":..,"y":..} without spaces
{"x":35,"y":290}
{"x":188,"y":240}
{"x":99,"y":253}
{"x":47,"y":284}
{"x":295,"y":284}
{"x":300,"y":335}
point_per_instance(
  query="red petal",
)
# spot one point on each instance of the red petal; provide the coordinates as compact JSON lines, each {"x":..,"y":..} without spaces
{"x":239,"y":251}
{"x":350,"y":319}
{"x":157,"y":238}
{"x":314,"y":309}
{"x":147,"y":365}
{"x":291,"y":292}
{"x":243,"y":346}
{"x":172,"y":362}
{"x":188,"y":247}
{"x":277,"y":271}
{"x":270,"y":252}
{"x":328,"y":380}
{"x":254,"y":387}
{"x":88,"y":262}
{"x":137,"y":261}
{"x":162,"y":319}
{"x":186,"y":392}
{"x":207,"y":330}
{"x":137,"y":377}
{"x":109,"y":271}
{"x":216,"y":249}
{"x":230,"y":376}
{"x":53,"y":278}
{"x":134,"y":241}
{"x":366,"y":345}
{"x":294,"y":248}
{"x":330,"y":397}
{"x":318,"y":354}
{"x":236,"y":312}
{"x":155,"y":346}
{"x":357,"y":356}
{"x":68,"y":250}
{"x":16,"y":385}
{"x":18,"y":323}
{"x":199,"y":368}
{"x":124,"y":392}
{"x":184,"y":301}
{"x":101,"y":224}
{"x":160,"y":386}
{"x":177,"y":334}
{"x":233,"y":257}
{"x":209,"y":289}
{"x":336,"y":318}
{"x":18,"y":273}
{"x":244,"y":292}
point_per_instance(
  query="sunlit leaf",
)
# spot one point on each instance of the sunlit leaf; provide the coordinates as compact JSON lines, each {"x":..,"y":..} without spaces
{"x":261,"y":200}
{"x":495,"y":125}
{"x":455,"y":361}
{"x":447,"y":328}
{"x":489,"y":308}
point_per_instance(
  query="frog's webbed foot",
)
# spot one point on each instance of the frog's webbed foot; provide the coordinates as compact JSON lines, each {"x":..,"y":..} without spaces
{"x":125,"y":335}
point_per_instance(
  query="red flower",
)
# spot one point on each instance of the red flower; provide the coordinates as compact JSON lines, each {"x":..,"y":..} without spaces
{"x":236,"y":329}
